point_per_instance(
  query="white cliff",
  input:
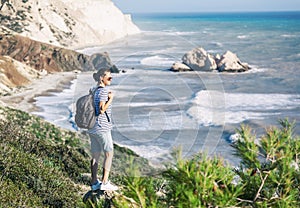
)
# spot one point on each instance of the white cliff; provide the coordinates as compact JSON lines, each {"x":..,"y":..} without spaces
{"x":69,"y":23}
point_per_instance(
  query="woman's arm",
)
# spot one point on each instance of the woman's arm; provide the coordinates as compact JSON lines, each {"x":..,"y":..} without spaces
{"x":104,"y":105}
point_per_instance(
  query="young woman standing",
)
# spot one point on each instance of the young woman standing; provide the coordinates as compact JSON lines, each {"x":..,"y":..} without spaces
{"x":100,"y":134}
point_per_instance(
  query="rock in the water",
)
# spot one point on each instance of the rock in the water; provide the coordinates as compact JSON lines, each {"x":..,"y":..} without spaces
{"x":229,"y":62}
{"x":177,"y":67}
{"x":199,"y":60}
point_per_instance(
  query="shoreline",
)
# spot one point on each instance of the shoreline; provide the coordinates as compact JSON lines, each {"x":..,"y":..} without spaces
{"x":57,"y":82}
{"x":24,"y":98}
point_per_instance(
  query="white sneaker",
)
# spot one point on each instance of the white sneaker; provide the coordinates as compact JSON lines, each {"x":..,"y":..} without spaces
{"x":108,"y":187}
{"x":96,"y":185}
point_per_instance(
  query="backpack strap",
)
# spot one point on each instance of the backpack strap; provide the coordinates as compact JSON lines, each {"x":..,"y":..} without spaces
{"x":108,"y":119}
{"x":93,"y":91}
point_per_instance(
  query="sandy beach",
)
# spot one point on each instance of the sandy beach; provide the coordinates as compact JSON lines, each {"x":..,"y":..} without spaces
{"x":24,"y":98}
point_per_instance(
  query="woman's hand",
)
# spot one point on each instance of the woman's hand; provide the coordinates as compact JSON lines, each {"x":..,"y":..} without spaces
{"x":104,"y":105}
{"x":110,"y":95}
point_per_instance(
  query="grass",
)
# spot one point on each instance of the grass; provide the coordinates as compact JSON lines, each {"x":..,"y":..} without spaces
{"x":44,"y":165}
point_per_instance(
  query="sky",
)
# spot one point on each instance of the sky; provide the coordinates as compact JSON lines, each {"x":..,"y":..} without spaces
{"x":142,"y":6}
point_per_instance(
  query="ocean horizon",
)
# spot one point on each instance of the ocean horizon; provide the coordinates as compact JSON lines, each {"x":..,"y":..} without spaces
{"x":156,"y":110}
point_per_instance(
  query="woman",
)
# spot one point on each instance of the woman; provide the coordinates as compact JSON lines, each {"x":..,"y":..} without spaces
{"x":100,"y":134}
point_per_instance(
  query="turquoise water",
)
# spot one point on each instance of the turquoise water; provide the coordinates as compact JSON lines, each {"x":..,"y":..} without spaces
{"x":269,"y":40}
{"x":193,"y":21}
{"x":156,"y":110}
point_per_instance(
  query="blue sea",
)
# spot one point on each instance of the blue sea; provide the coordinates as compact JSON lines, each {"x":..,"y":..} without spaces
{"x":156,"y":110}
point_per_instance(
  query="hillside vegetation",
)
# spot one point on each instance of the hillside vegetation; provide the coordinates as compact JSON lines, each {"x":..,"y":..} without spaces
{"x":42,"y":165}
{"x":268,"y":176}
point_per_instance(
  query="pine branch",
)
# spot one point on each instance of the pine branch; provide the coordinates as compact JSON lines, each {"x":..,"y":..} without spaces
{"x":262,"y":184}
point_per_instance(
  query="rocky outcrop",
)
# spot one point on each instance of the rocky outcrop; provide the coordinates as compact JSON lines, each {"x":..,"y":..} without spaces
{"x":199,"y":60}
{"x":23,"y":59}
{"x":179,"y":67}
{"x":37,"y":37}
{"x":229,"y":62}
{"x":14,"y":74}
{"x":68,"y":23}
{"x":42,"y":56}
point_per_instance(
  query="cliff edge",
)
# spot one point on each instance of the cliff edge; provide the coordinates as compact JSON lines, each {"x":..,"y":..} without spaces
{"x":40,"y":36}
{"x":71,"y":24}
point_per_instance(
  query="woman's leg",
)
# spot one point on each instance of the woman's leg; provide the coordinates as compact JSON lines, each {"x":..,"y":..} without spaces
{"x":108,"y":148}
{"x":107,"y":165}
{"x":94,"y":166}
{"x":96,"y":150}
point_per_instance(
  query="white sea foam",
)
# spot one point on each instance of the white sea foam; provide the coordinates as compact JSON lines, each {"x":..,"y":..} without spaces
{"x":253,"y":69}
{"x":242,"y":36}
{"x":256,"y":69}
{"x":185,"y":33}
{"x":157,"y":121}
{"x":212,"y":51}
{"x":157,"y":61}
{"x":288,"y":36}
{"x":151,"y":152}
{"x":217,"y":44}
{"x":166,"y":50}
{"x":216,"y":108}
{"x":145,"y":104}
{"x":55,"y":108}
{"x":175,"y":32}
{"x":294,"y":56}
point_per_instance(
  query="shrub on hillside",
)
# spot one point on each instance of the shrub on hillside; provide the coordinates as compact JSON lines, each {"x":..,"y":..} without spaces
{"x":269,"y":170}
{"x":38,"y":162}
{"x":268,"y":176}
{"x":42,"y":165}
{"x":201,"y":182}
{"x":41,"y":184}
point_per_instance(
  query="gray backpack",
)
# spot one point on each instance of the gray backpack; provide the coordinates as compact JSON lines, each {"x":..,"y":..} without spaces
{"x":85,"y":116}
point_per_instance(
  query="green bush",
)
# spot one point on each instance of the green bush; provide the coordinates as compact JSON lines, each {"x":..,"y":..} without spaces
{"x":268,"y":176}
{"x":198,"y":182}
{"x":269,"y":169}
{"x":138,"y":190}
{"x":201,"y":182}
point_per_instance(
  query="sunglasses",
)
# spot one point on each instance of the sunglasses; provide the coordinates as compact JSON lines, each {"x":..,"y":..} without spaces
{"x":109,"y":78}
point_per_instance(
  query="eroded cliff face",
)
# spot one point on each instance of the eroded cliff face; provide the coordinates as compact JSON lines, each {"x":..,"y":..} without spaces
{"x":42,"y":56}
{"x":39,"y":37}
{"x":69,"y":23}
{"x":22,"y":59}
{"x":14,"y":74}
